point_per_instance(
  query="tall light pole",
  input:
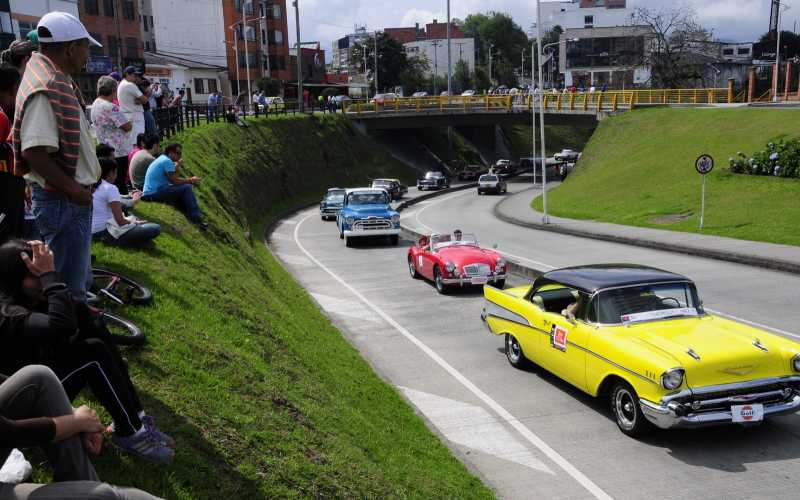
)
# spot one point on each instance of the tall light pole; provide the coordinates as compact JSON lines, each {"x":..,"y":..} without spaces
{"x":232,"y":27}
{"x":777,"y":71}
{"x":376,"y":61}
{"x":299,"y":57}
{"x":246,"y":53}
{"x":533,"y":113}
{"x":491,"y":49}
{"x":449,"y":59}
{"x":435,"y":44}
{"x":522,"y":67}
{"x":545,"y":219}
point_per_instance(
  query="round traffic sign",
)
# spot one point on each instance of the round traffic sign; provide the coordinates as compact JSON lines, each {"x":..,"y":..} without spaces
{"x":704,"y":164}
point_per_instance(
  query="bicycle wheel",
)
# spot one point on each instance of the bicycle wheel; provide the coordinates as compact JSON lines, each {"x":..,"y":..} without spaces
{"x":118,"y":288}
{"x":122,"y":331}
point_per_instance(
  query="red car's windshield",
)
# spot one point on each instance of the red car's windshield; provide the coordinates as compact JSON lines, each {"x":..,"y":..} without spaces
{"x":439,"y":241}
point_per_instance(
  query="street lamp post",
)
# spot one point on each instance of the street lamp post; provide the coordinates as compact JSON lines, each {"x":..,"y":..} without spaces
{"x":236,"y":57}
{"x":545,"y":218}
{"x":376,"y":61}
{"x":777,"y":70}
{"x":246,"y":53}
{"x":299,"y":57}
{"x":491,"y":49}
{"x":449,"y":60}
{"x":435,"y":44}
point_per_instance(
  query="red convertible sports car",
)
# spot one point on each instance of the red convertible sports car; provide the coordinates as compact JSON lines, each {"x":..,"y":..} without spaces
{"x":455,"y":260}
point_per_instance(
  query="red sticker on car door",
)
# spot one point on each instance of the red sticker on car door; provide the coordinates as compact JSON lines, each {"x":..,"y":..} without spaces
{"x":558,"y":338}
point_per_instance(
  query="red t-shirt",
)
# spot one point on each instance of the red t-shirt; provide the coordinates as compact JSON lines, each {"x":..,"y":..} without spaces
{"x":6,"y":147}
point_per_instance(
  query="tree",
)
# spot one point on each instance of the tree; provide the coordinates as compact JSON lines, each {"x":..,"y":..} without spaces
{"x":269,"y":86}
{"x":480,"y":79}
{"x":461,"y":77}
{"x":680,"y":47}
{"x":790,"y":43}
{"x":498,"y":32}
{"x":413,"y":78}
{"x":392,"y":60}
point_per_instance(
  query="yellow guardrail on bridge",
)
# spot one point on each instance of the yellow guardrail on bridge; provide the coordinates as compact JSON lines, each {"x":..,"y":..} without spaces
{"x":609,"y":101}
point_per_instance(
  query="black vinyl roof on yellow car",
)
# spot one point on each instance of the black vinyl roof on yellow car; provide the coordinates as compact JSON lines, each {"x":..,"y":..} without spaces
{"x":601,"y":276}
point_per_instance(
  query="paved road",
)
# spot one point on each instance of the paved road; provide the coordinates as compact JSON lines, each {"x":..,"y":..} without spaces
{"x":527,"y":434}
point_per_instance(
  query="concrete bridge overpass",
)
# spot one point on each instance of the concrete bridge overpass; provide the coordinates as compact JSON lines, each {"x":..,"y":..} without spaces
{"x":578,"y":109}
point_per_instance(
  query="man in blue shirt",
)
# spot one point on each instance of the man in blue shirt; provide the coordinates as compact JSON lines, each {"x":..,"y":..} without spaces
{"x":162,"y":184}
{"x":213,"y":101}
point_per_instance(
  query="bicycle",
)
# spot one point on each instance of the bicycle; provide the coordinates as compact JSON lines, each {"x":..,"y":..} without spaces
{"x":111,"y":286}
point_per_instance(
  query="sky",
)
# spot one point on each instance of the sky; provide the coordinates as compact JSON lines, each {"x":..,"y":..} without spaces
{"x":328,"y":20}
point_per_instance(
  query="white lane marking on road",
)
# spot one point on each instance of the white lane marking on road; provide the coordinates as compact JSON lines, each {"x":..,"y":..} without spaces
{"x":280,"y":237}
{"x":726,"y":315}
{"x":504,"y":414}
{"x":295,"y":260}
{"x":434,"y":203}
{"x":473,"y":427}
{"x":536,"y":262}
{"x":289,"y":222}
{"x":344,"y":307}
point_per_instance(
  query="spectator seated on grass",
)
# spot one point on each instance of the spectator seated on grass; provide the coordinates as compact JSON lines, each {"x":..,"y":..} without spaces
{"x":162,"y":184}
{"x":142,"y":160}
{"x":136,"y":148}
{"x":109,"y":223}
{"x":35,"y":411}
{"x":41,"y":324}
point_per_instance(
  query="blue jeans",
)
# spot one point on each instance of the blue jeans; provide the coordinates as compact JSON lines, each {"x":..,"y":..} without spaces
{"x":133,"y":237}
{"x":67,"y":230}
{"x":150,"y":126}
{"x":179,"y":194}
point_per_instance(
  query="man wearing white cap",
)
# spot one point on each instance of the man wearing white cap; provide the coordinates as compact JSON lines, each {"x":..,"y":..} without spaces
{"x":53,"y":145}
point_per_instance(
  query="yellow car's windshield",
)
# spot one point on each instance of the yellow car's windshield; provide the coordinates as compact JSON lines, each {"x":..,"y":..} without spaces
{"x":647,"y":303}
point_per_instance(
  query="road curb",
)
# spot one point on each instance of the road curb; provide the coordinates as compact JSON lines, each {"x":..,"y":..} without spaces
{"x":748,"y":260}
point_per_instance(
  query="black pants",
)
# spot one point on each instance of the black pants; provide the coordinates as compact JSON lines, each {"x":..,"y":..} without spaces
{"x":122,"y":174}
{"x":12,"y":203}
{"x":99,"y":365}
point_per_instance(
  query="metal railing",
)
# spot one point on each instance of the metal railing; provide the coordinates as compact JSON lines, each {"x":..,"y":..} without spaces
{"x":172,"y":120}
{"x":609,"y":101}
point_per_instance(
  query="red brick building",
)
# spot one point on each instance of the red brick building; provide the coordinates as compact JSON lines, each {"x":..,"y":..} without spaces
{"x":263,"y":43}
{"x":404,"y":35}
{"x":115,"y":24}
{"x":437,"y":30}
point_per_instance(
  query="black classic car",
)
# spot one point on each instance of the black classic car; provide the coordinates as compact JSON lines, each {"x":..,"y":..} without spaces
{"x":433,"y":180}
{"x":392,"y":186}
{"x":331,"y":203}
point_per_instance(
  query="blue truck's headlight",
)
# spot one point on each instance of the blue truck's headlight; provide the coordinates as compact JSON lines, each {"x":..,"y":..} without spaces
{"x":396,"y":219}
{"x":349,"y":220}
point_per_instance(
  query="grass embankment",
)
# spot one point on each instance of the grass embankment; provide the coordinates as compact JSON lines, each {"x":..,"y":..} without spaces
{"x":557,"y":137}
{"x":638,"y":169}
{"x":264,"y":396}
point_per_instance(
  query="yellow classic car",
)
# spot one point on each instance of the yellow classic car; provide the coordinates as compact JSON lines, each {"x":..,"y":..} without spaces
{"x":640,"y":337}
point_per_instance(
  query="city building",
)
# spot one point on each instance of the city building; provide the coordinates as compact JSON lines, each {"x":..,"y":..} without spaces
{"x":405,"y":35}
{"x":438,"y":31}
{"x":7,"y":34}
{"x":25,"y":14}
{"x":115,"y":24}
{"x":146,"y":25}
{"x":573,"y":14}
{"x":341,"y":51}
{"x":616,"y":57}
{"x":256,"y":37}
{"x":190,"y":29}
{"x":737,"y":52}
{"x":435,"y":52}
{"x":197,"y":79}
{"x":312,"y":60}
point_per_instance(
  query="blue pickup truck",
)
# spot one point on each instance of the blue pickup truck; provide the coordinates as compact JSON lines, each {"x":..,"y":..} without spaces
{"x":366,"y":212}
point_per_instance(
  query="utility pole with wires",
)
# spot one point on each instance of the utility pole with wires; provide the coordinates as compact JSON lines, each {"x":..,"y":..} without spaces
{"x":436,"y":44}
{"x":460,"y":50}
{"x":376,"y":61}
{"x":299,"y":57}
{"x":246,"y":52}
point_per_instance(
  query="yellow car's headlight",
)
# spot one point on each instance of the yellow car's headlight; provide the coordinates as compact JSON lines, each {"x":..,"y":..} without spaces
{"x":796,"y":362}
{"x":672,"y":379}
